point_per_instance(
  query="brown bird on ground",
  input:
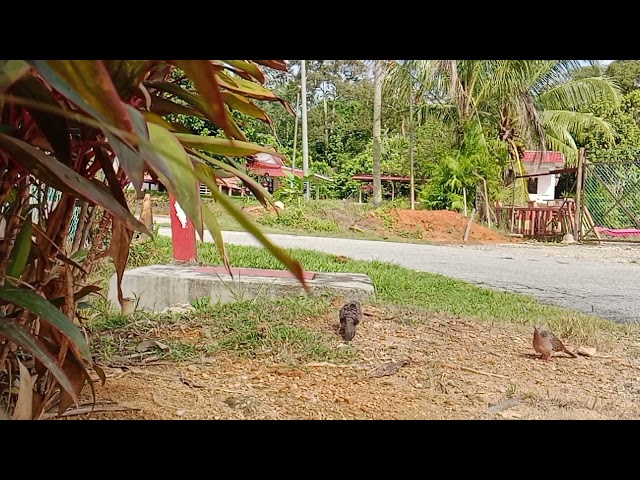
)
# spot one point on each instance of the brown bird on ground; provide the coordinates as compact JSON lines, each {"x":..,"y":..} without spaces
{"x":545,"y":343}
{"x":350,"y":317}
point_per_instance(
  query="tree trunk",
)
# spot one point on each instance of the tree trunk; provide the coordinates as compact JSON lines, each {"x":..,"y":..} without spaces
{"x":333,"y":112}
{"x":326,"y":121}
{"x":82,"y":218}
{"x":412,"y":183}
{"x":479,"y":203}
{"x":88,"y":226}
{"x":377,"y":114}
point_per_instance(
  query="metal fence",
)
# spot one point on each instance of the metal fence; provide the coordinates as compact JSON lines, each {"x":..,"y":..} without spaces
{"x":53,"y":197}
{"x":612,"y":200}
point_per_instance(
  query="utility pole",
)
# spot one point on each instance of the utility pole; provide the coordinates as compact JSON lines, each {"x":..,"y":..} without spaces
{"x":295,"y":133}
{"x":305,"y":138}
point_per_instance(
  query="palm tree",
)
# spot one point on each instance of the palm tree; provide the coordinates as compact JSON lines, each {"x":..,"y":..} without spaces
{"x":529,"y":103}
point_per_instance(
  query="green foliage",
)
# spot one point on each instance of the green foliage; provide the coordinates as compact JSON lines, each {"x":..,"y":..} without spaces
{"x":587,"y":71}
{"x":614,"y":162}
{"x":294,"y":217}
{"x":623,"y":118}
{"x":626,"y":74}
{"x":527,"y":103}
{"x":451,"y":175}
{"x":291,"y":189}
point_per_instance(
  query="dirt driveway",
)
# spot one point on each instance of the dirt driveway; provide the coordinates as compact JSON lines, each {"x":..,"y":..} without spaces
{"x":446,"y":369}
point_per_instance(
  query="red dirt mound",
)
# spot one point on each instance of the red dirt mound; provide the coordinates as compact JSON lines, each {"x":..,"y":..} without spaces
{"x":442,"y":226}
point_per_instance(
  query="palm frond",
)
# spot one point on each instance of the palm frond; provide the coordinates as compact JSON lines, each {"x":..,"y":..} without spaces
{"x":446,"y":113}
{"x":576,"y":123}
{"x":575,"y":94}
{"x":559,"y":139}
{"x":530,"y":120}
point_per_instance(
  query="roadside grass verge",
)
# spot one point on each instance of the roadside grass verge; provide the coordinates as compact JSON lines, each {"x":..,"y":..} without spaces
{"x":279,"y":328}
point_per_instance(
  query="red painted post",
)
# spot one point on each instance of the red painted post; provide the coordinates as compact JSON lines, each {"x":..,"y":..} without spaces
{"x":183,"y":234}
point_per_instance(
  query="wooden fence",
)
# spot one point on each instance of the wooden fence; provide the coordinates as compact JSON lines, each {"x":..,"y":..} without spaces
{"x":535,"y":221}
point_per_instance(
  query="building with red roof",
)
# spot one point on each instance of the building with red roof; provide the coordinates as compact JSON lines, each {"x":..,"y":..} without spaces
{"x":538,"y":167}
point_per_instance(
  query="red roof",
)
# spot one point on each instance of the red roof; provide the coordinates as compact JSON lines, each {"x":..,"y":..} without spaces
{"x":260,"y":168}
{"x":273,"y":170}
{"x":264,"y":157}
{"x":532,"y":156}
{"x":369,"y":177}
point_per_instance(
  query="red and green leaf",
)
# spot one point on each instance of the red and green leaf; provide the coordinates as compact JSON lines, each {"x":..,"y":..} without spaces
{"x":214,"y":228}
{"x":11,"y":71}
{"x":197,"y":103}
{"x":53,"y":127}
{"x":275,"y":64}
{"x":175,"y":170}
{"x":131,"y":160}
{"x":258,"y":190}
{"x":13,"y":331}
{"x":162,"y":106}
{"x":248,"y":67}
{"x":62,"y":177}
{"x":88,"y":85}
{"x":245,"y":87}
{"x":34,"y":303}
{"x":291,"y":264}
{"x":203,"y":75}
{"x":251,"y":90}
{"x":223,"y":146}
{"x":126,"y":75}
{"x":238,"y":102}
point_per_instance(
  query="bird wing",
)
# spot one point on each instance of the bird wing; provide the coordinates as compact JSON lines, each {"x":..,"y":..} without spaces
{"x":343,"y":314}
{"x":557,"y":345}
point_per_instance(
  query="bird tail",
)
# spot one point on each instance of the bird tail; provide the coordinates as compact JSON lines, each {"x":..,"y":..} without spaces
{"x":349,"y":330}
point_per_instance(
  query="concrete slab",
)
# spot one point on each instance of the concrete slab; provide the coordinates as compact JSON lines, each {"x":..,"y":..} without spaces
{"x":160,"y":286}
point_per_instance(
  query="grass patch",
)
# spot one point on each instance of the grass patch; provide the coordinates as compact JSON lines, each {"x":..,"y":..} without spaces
{"x":182,"y":351}
{"x":285,"y":328}
{"x":248,"y":328}
{"x":399,"y":286}
{"x":276,"y":327}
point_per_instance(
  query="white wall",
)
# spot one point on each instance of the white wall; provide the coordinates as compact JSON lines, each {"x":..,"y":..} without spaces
{"x":546,"y":189}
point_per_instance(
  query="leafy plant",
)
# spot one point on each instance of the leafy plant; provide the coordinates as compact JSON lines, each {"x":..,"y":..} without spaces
{"x":291,"y":188}
{"x":452,"y":175}
{"x":79,"y":132}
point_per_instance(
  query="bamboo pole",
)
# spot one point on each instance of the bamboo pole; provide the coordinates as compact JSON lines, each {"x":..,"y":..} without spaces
{"x":486,"y":201}
{"x":468,"y":230}
{"x":577,"y":229}
{"x":464,"y":194}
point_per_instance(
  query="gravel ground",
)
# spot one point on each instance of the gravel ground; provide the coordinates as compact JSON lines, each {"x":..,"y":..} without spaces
{"x":603,"y":279}
{"x":447,"y":368}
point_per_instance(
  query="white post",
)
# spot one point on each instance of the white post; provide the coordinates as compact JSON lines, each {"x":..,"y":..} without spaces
{"x":295,"y":136}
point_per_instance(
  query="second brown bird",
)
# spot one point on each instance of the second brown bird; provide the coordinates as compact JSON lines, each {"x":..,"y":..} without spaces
{"x":545,"y":343}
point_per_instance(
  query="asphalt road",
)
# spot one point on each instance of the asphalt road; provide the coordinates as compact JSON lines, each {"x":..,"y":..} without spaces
{"x":595,"y":283}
